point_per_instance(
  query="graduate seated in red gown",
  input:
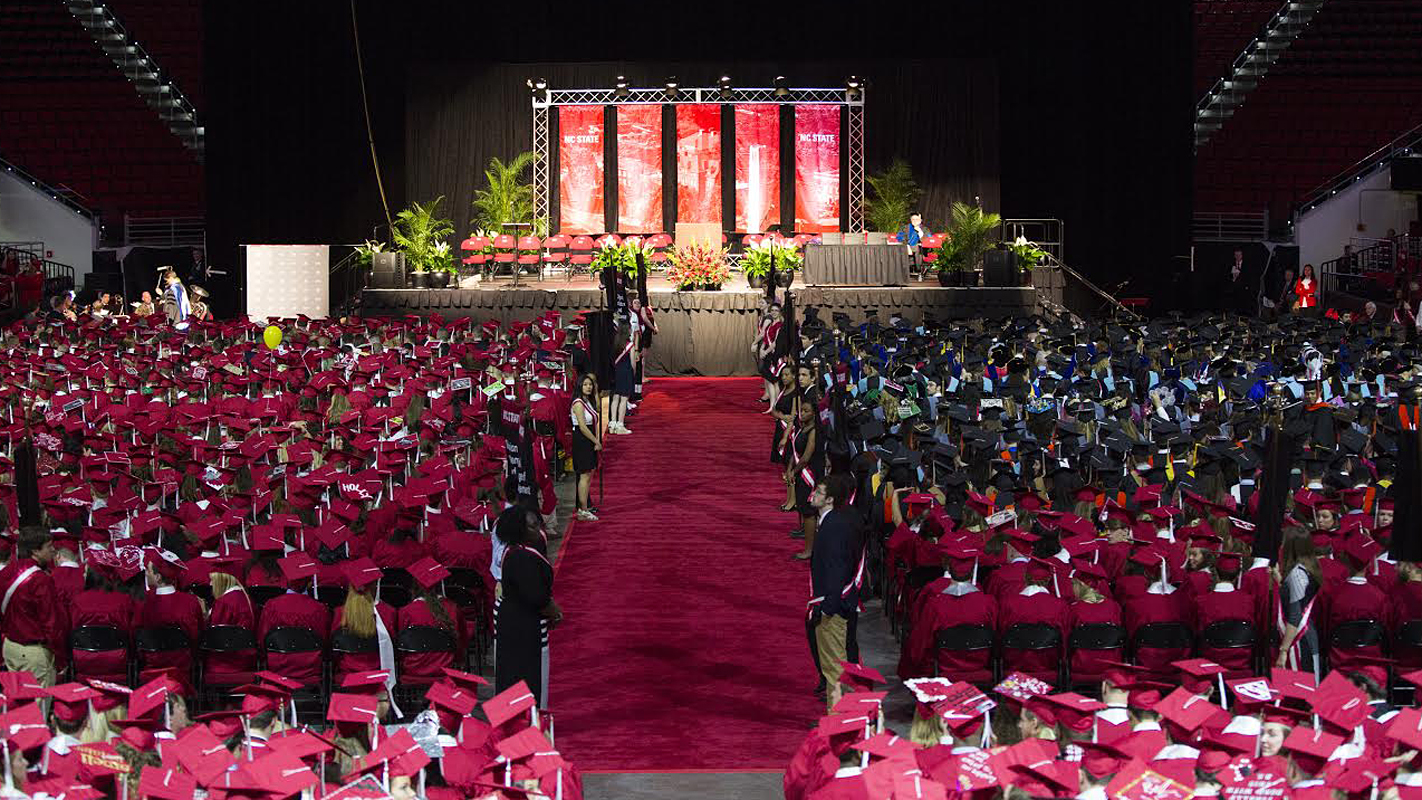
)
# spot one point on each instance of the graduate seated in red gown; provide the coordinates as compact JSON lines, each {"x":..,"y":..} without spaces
{"x":1225,"y":602}
{"x":108,"y":601}
{"x":231,"y":606}
{"x":431,"y":610}
{"x":296,"y":610}
{"x":1356,"y":601}
{"x":947,"y":603}
{"x":1091,"y":608}
{"x":1162,"y":604}
{"x":362,"y":618}
{"x":167,"y":606}
{"x":1034,"y":604}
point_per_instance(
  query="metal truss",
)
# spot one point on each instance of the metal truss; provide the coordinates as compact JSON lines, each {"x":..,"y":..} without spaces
{"x":542,"y":186}
{"x":602,"y":97}
{"x":856,"y":167}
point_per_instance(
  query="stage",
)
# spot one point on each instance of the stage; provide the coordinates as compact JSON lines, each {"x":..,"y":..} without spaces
{"x":704,"y":333}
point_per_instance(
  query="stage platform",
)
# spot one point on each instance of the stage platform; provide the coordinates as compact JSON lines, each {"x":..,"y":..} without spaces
{"x":701,"y":333}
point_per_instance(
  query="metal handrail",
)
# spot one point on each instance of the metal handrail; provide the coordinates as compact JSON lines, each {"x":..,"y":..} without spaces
{"x":164,"y":231}
{"x":57,"y":195}
{"x":1229,"y":226}
{"x":1051,"y":261}
{"x":1261,"y":34}
{"x":1052,"y":240}
{"x":1403,"y":144}
{"x":347,"y":280}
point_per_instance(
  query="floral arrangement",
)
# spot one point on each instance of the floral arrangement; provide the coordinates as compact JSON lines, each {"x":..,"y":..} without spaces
{"x":698,"y":266}
{"x":1028,"y":253}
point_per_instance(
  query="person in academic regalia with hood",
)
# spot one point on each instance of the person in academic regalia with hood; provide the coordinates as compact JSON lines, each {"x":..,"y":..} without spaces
{"x":175,"y":298}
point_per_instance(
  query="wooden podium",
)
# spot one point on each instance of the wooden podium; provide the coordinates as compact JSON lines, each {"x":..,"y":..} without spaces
{"x":705,"y":232}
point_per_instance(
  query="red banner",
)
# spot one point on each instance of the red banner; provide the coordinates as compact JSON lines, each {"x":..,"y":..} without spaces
{"x":816,"y":168}
{"x":639,"y":168}
{"x":580,"y":179}
{"x":757,"y":167}
{"x":698,"y":163}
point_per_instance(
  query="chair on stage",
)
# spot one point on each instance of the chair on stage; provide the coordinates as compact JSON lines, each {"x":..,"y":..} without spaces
{"x":608,"y":239}
{"x":802,"y":239}
{"x":660,"y":244}
{"x":555,"y":253}
{"x":478,"y":247}
{"x":529,"y":255}
{"x":580,"y":255}
{"x":928,"y":248}
{"x":504,"y":247}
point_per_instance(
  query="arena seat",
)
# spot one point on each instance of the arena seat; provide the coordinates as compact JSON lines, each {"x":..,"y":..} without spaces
{"x":73,"y":121}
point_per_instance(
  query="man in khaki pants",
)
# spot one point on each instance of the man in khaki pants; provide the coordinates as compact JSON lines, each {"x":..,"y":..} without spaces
{"x":834,"y":576}
{"x":35,"y":626}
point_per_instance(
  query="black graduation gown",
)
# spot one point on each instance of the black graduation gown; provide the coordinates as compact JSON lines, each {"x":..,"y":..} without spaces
{"x":522,"y":632}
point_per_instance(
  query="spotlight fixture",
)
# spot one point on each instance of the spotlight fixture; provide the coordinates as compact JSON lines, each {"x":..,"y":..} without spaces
{"x":725,"y":84}
{"x":852,"y":86}
{"x":671,"y":87}
{"x":781,"y":90}
{"x":622,"y":90}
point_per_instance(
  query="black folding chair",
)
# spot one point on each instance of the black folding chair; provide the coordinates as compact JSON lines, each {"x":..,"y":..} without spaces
{"x":151,"y":642}
{"x":1232,"y":634}
{"x":1034,"y":636}
{"x":1407,"y":649}
{"x":331,"y":596}
{"x":1162,"y":636}
{"x":101,"y":639}
{"x":414,"y":640}
{"x":965,"y":638}
{"x":1356,"y":634}
{"x":1090,"y":637}
{"x":219,"y":640}
{"x":471,"y":604}
{"x":290,"y":640}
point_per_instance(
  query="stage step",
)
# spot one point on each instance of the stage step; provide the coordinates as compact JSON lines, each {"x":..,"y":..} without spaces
{"x":1230,"y":92}
{"x":142,"y":70}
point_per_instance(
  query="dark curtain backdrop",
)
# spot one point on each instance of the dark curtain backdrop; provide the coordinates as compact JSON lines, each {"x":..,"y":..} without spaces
{"x":1081,"y":113}
{"x":459,"y":114}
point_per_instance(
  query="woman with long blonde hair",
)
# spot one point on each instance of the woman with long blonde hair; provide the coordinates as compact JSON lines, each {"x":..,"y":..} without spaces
{"x":231,"y":606}
{"x":363,"y":617}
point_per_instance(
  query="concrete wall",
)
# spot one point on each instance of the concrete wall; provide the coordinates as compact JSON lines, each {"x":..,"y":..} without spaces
{"x":28,"y":214}
{"x":1322,"y":231}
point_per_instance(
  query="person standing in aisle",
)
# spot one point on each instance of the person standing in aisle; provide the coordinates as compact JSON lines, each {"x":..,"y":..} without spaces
{"x":624,"y":377}
{"x":586,"y":442}
{"x":528,"y":611}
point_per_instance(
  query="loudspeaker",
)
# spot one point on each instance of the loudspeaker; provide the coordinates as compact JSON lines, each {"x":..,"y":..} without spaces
{"x":1407,"y":174}
{"x":1000,"y":268}
{"x":387,"y":271}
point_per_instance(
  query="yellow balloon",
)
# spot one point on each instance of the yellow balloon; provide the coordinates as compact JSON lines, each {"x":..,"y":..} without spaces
{"x":272,"y":337}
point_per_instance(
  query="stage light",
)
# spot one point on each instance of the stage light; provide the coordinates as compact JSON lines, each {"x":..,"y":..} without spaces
{"x":622,"y":90}
{"x":852,"y":86}
{"x":781,"y":90}
{"x":671,"y":87}
{"x":725,"y":84}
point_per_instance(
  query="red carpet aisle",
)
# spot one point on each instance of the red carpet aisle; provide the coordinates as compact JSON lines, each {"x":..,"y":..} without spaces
{"x":684,"y":642}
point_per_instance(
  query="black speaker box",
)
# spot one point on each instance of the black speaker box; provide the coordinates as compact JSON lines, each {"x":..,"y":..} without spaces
{"x":1000,"y":268}
{"x":1407,"y":174}
{"x":387,"y":271}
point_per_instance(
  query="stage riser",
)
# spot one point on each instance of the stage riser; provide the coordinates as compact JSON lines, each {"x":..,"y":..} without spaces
{"x":706,"y":333}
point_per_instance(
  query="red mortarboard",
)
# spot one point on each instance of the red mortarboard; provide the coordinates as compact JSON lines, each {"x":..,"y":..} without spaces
{"x":71,"y":701}
{"x":1186,"y":709}
{"x":466,"y":679}
{"x":361,"y":572}
{"x":427,"y":572}
{"x":166,"y":784}
{"x":354,"y":708}
{"x":509,"y":703}
{"x":1139,"y":781}
{"x":1294,"y":684}
{"x":860,"y":676}
{"x":201,"y":753}
{"x":1338,"y":702}
{"x":24,"y":727}
{"x":1312,"y":742}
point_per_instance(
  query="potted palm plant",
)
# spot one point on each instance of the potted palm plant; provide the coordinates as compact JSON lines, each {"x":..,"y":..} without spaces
{"x":418,"y":232}
{"x":970,"y":234}
{"x":508,"y":197}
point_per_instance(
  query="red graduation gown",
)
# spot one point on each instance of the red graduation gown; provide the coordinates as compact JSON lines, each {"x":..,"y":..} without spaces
{"x":1216,"y":606}
{"x":361,"y":662}
{"x":1040,"y":607}
{"x":98,"y":607}
{"x":1086,"y":665}
{"x":1351,"y":601}
{"x":172,"y":608}
{"x":295,"y":610}
{"x":939,"y":611}
{"x":428,"y":665}
{"x":233,"y":608}
{"x":1154,"y":608}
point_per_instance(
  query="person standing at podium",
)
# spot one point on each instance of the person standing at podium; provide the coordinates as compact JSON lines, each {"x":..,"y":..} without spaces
{"x":911,"y":235}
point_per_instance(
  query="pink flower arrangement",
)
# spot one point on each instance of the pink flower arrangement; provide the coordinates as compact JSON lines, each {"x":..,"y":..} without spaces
{"x":698,"y":266}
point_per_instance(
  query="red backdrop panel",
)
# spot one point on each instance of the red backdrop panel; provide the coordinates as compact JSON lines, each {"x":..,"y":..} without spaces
{"x":698,"y":163}
{"x":580,"y":168}
{"x":757,"y":167}
{"x":639,"y":168}
{"x":816,"y":168}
